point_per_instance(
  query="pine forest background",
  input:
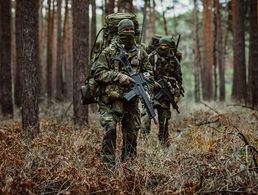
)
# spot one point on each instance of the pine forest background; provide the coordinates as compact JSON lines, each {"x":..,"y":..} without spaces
{"x":46,"y":135}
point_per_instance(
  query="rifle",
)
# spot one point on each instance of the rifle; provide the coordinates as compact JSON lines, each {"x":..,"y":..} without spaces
{"x":167,"y":94}
{"x":137,"y":89}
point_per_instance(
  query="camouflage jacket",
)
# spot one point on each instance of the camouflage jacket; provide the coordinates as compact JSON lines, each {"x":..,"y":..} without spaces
{"x":105,"y":69}
{"x":168,"y":69}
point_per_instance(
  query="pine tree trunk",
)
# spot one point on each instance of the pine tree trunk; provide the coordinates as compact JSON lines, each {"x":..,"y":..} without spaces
{"x":49,"y":53}
{"x":41,"y":51}
{"x":19,"y":57}
{"x":221,"y":52}
{"x":65,"y":50}
{"x":80,"y":57}
{"x":130,"y":6}
{"x":164,"y":20}
{"x":59,"y":64}
{"x":6,"y":77}
{"x":0,"y":53}
{"x":253,"y":60}
{"x":207,"y":50}
{"x":110,"y":6}
{"x":215,"y":50}
{"x":153,"y":17}
{"x":42,"y":67}
{"x":120,"y":5}
{"x":30,"y":67}
{"x":197,"y":56}
{"x":239,"y":75}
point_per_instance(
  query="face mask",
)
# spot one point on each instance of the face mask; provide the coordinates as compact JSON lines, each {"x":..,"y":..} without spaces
{"x":127,"y":38}
{"x":162,"y":51}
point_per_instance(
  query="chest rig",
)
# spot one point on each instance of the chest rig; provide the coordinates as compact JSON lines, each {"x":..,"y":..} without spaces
{"x":163,"y":66}
{"x":133,"y":57}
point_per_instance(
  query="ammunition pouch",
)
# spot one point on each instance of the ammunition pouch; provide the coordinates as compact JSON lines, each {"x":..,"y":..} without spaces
{"x":89,"y":92}
{"x":114,"y":92}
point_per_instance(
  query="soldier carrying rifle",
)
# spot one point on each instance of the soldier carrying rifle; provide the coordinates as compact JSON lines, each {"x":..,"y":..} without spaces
{"x":165,"y":61}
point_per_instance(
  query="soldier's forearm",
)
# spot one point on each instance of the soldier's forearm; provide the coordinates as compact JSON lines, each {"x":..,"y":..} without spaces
{"x":107,"y":76}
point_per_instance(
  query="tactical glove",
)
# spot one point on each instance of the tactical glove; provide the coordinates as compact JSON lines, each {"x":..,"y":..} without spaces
{"x":177,"y":99}
{"x":123,"y":79}
{"x":156,"y":85}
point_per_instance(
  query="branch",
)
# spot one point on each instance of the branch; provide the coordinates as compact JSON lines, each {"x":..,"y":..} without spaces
{"x":214,"y":110}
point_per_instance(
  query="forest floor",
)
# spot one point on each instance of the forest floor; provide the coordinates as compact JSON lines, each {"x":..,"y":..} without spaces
{"x":213,"y":150}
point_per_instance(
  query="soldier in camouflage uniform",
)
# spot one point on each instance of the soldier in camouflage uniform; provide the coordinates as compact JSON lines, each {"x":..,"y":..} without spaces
{"x":113,"y":77}
{"x":165,"y":63}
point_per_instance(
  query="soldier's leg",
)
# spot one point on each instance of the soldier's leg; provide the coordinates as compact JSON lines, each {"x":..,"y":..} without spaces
{"x":130,"y":129}
{"x":145,"y":122}
{"x":164,"y":115}
{"x":108,"y":122}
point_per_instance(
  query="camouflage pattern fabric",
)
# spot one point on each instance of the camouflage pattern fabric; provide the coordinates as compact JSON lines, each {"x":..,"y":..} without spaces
{"x":167,"y":67}
{"x":112,"y":107}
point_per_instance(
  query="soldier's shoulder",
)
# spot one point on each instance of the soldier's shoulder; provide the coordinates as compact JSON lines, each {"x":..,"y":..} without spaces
{"x":109,"y":50}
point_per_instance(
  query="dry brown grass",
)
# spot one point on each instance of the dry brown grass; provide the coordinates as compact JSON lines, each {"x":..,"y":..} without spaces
{"x":206,"y":155}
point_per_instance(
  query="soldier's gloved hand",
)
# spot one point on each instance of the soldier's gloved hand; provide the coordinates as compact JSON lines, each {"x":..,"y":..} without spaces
{"x":177,"y":99}
{"x":124,"y":79}
{"x":156,"y":85}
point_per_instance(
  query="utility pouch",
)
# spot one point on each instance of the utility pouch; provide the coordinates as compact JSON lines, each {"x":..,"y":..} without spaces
{"x":114,"y":92}
{"x":88,"y":92}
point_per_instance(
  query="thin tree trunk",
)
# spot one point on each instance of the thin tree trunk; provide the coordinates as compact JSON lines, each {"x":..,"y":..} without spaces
{"x":65,"y":50}
{"x":49,"y":53}
{"x":30,"y":68}
{"x":18,"y":82}
{"x":42,"y":62}
{"x":207,"y":50}
{"x":6,"y":77}
{"x":120,"y":5}
{"x":197,"y":55}
{"x":253,"y":60}
{"x":239,"y":75}
{"x":59,"y":64}
{"x":222,"y":40}
{"x":153,"y":17}
{"x":164,"y":20}
{"x":0,"y":53}
{"x":80,"y":56}
{"x":110,"y":6}
{"x":130,"y":6}
{"x":215,"y":50}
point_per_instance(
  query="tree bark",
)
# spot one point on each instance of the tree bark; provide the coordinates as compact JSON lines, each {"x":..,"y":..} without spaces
{"x":197,"y":55}
{"x":239,"y":75}
{"x":110,"y":6}
{"x":66,"y":51}
{"x":59,"y":64}
{"x":18,"y":30}
{"x":42,"y":44}
{"x":120,"y":5}
{"x":0,"y":53}
{"x":80,"y":57}
{"x":30,"y":67}
{"x":222,"y":40}
{"x":207,"y":50}
{"x":215,"y":49}
{"x":49,"y":53}
{"x":253,"y":57}
{"x":6,"y":77}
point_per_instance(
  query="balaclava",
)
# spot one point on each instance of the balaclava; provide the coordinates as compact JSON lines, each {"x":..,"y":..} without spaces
{"x":168,"y":41}
{"x":126,"y":38}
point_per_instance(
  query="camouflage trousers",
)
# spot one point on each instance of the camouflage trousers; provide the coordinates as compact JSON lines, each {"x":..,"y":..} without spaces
{"x":164,"y":114}
{"x":130,"y":121}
